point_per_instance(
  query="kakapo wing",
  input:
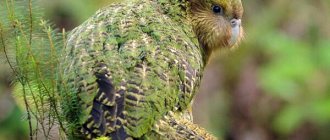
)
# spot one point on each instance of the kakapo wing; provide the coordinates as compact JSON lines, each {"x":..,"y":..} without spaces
{"x":125,"y":68}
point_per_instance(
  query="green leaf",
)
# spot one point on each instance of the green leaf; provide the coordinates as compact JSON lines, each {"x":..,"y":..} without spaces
{"x":288,"y":119}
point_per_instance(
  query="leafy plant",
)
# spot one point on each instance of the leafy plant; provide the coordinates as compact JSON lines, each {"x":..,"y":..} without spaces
{"x":31,"y":47}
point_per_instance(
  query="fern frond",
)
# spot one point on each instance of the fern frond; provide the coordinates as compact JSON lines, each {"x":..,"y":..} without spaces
{"x":31,"y":46}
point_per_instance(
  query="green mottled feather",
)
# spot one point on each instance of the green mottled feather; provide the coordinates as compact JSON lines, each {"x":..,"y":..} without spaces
{"x":147,"y":58}
{"x":174,"y":126}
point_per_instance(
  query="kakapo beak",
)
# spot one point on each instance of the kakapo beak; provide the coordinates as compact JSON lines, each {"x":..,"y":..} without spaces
{"x":235,"y":31}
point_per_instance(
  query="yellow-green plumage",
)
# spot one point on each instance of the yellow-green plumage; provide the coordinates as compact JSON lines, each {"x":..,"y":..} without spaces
{"x":131,"y":71}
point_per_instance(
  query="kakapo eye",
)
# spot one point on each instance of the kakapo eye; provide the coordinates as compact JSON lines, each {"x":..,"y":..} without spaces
{"x":217,"y":9}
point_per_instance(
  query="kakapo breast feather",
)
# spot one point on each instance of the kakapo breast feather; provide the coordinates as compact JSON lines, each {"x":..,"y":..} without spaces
{"x":125,"y":68}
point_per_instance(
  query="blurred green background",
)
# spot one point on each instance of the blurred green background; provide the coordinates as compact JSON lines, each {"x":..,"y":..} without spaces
{"x":276,"y":86}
